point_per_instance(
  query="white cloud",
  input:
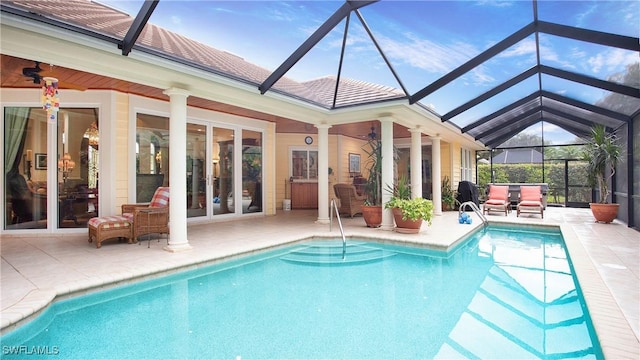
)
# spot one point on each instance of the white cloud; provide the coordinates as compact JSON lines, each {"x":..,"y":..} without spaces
{"x":612,"y":60}
{"x":494,"y":3}
{"x":522,"y":48}
{"x":176,"y":20}
{"x":427,"y":55}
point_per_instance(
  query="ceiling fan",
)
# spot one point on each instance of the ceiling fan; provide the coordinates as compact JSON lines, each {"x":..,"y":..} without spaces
{"x":36,"y":74}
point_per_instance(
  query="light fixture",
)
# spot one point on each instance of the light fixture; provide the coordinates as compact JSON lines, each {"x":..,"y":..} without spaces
{"x":50,"y":99}
{"x":372,"y":135}
{"x":93,"y":134}
{"x":66,"y":166}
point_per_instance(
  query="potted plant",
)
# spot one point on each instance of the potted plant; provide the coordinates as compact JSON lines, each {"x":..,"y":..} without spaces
{"x":408,"y":213}
{"x":602,"y":153}
{"x":448,"y":195}
{"x":372,"y":209}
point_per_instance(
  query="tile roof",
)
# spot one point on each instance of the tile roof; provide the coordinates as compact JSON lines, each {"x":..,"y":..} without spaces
{"x":111,"y":22}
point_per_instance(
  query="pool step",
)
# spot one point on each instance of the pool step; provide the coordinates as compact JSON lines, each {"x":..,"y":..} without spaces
{"x":330,"y":253}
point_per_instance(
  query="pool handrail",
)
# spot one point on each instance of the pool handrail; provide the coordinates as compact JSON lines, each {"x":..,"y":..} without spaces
{"x":333,"y":207}
{"x":475,"y":209}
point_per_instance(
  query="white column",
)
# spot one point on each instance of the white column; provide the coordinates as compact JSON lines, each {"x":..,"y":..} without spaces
{"x":177,"y":164}
{"x":436,"y":175}
{"x":416,"y":162}
{"x":323,"y":173}
{"x":386,"y":137}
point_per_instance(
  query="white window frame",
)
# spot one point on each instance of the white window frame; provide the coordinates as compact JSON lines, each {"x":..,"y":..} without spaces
{"x":306,"y":149}
{"x":466,"y":169}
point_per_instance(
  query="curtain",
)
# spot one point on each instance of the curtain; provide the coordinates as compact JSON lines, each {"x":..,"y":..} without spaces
{"x":15,"y":119}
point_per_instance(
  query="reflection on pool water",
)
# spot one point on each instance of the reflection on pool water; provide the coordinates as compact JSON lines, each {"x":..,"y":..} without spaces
{"x":503,"y":293}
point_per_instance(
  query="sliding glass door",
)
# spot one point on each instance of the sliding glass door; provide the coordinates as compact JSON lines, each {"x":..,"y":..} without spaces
{"x":51,"y":168}
{"x":224,"y":171}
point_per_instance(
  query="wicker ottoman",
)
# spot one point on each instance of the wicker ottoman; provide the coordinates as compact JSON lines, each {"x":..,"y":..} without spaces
{"x":109,"y":227}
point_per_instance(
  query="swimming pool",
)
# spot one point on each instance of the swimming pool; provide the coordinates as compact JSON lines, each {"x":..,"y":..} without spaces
{"x":503,"y":293}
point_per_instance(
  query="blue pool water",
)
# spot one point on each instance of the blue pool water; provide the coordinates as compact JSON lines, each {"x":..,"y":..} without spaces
{"x":503,"y":293}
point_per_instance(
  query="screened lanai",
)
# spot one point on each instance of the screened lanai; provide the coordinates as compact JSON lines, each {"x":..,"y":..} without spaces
{"x":494,"y":70}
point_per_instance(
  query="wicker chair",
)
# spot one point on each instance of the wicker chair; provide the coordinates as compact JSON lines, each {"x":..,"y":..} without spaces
{"x":350,"y":202}
{"x":151,"y":218}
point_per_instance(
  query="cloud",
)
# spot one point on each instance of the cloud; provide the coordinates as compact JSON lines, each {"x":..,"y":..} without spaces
{"x":611,"y":60}
{"x":526,"y":47}
{"x":223,"y":10}
{"x":494,"y":3}
{"x":176,"y":20}
{"x":426,"y":54}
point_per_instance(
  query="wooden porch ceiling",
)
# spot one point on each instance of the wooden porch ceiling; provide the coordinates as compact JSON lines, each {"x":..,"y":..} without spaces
{"x":11,"y":76}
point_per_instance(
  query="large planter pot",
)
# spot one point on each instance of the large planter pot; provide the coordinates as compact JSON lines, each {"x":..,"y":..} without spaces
{"x":372,"y":215}
{"x":605,"y":213}
{"x":447,"y":207}
{"x":405,"y":226}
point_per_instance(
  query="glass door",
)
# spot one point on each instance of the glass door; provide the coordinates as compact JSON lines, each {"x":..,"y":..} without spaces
{"x":222,"y":175}
{"x":224,"y":171}
{"x":210,"y":171}
{"x":196,"y":170}
{"x":51,"y":168}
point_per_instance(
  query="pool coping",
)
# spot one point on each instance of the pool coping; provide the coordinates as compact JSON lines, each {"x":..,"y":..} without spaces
{"x":614,"y":333}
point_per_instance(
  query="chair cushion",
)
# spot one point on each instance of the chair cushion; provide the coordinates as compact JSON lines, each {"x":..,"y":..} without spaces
{"x":128,"y":216}
{"x":160,"y":197}
{"x":495,"y":202}
{"x":498,"y":192}
{"x":530,"y":203}
{"x":109,"y":221}
{"x":530,"y":193}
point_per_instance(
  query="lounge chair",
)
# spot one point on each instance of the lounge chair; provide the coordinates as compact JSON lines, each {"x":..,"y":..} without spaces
{"x":150,"y":218}
{"x":350,"y":202}
{"x":530,"y":200}
{"x":498,"y":199}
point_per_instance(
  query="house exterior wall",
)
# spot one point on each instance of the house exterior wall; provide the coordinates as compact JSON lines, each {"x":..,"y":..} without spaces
{"x":121,"y":120}
{"x":339,"y":149}
{"x":446,"y":160}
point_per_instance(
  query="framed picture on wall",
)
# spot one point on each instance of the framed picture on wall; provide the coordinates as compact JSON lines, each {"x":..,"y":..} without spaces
{"x":354,"y":163}
{"x":41,"y":161}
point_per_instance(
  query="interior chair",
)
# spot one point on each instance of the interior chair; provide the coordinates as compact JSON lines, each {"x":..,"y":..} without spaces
{"x":149,"y":218}
{"x":26,"y":206}
{"x":530,"y":200}
{"x":350,"y":202}
{"x":498,"y":199}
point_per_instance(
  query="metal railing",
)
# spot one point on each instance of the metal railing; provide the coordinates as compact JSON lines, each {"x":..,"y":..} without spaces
{"x":344,"y":239}
{"x":475,"y":209}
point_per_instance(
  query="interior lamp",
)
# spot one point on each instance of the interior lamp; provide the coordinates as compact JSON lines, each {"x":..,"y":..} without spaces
{"x":66,"y":165}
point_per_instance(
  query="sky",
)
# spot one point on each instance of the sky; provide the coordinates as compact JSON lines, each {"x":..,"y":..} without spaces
{"x":423,"y":40}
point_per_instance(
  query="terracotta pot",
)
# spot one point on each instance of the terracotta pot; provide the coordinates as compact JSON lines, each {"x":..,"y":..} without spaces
{"x":372,"y":216}
{"x":406,"y":226}
{"x":605,"y":213}
{"x":447,"y":207}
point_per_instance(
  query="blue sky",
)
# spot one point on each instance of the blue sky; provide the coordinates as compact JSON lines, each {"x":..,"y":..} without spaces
{"x":422,"y":39}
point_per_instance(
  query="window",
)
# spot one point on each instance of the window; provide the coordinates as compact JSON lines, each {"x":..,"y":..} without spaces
{"x":152,"y":148}
{"x":304,"y":164}
{"x":465,"y":165}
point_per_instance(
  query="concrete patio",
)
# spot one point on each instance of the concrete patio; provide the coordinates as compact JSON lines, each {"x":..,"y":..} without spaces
{"x":38,"y":269}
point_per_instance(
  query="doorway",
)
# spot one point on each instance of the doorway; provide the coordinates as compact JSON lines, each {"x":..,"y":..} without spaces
{"x":224,"y":171}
